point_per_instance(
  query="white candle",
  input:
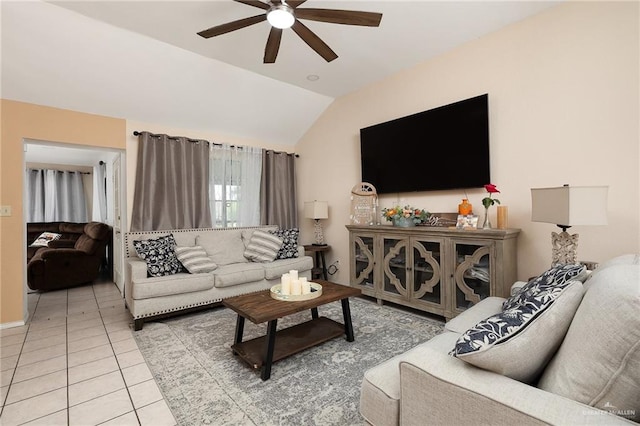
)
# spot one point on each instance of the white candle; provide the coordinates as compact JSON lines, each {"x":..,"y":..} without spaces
{"x":294,"y":274}
{"x":286,"y":284}
{"x":295,"y":287}
{"x":306,"y":285}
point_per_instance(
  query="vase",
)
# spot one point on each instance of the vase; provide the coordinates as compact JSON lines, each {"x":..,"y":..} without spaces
{"x":486,"y":224}
{"x":404,"y":222}
{"x":464,"y":208}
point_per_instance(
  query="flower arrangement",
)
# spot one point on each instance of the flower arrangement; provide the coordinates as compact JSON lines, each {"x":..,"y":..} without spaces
{"x":406,"y":212}
{"x":488,"y":201}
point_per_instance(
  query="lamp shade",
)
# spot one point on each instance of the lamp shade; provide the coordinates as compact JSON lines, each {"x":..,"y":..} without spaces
{"x":316,"y":210}
{"x":570,"y":205}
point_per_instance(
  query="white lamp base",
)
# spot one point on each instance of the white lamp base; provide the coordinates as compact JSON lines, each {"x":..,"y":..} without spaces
{"x":564,"y":248}
{"x":317,"y":232}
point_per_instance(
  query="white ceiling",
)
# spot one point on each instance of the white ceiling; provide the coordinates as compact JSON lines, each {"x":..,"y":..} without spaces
{"x":154,"y":67}
{"x":49,"y":153}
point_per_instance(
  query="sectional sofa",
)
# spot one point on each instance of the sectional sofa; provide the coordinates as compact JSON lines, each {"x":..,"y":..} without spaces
{"x":224,"y":270}
{"x":560,"y":351}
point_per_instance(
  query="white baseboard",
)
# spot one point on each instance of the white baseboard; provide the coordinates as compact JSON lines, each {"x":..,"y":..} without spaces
{"x":11,"y":324}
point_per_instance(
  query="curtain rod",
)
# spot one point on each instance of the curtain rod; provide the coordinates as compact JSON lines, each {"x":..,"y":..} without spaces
{"x":137,"y":133}
{"x":63,"y":171}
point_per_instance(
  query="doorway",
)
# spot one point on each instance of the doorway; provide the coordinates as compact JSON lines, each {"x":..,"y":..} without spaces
{"x":88,"y":159}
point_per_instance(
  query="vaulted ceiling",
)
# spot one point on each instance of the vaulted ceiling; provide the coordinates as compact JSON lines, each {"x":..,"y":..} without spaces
{"x":143,"y":61}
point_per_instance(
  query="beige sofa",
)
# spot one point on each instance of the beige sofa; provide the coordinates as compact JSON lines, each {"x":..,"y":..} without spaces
{"x":591,"y":375}
{"x":152,"y":297}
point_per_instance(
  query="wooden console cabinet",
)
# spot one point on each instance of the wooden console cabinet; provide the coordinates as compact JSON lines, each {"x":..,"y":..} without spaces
{"x":439,"y":270}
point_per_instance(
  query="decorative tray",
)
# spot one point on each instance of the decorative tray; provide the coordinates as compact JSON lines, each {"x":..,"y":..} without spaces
{"x":316,"y":291}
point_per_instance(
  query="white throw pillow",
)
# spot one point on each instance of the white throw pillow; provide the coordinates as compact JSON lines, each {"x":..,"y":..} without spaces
{"x":263,"y":247}
{"x":195,"y":259}
{"x":520,"y":341}
{"x":44,"y":238}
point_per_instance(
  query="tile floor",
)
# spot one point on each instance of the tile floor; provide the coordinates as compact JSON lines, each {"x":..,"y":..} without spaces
{"x":76,"y":363}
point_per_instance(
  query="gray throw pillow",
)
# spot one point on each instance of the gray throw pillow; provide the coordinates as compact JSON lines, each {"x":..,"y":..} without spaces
{"x":263,"y":247}
{"x":195,"y":259}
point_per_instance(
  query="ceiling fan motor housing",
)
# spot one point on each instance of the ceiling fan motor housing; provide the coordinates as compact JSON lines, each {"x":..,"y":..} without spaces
{"x":281,"y":16}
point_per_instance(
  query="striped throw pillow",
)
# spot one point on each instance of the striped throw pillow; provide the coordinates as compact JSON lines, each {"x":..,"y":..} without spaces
{"x":263,"y":247}
{"x":195,"y":259}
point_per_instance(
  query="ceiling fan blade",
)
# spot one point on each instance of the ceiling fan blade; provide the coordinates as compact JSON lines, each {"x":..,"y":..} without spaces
{"x":314,"y":41}
{"x":295,"y":3}
{"x":254,"y":3}
{"x":232,"y":26}
{"x":335,"y":16}
{"x":273,"y":45}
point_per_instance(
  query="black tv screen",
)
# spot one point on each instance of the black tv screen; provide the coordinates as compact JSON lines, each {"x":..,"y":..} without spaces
{"x":442,"y":148}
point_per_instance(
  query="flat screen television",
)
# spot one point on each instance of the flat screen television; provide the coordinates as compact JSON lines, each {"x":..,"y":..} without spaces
{"x":438,"y":149}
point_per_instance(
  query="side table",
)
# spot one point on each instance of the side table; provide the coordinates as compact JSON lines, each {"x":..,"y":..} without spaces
{"x":320,"y":264}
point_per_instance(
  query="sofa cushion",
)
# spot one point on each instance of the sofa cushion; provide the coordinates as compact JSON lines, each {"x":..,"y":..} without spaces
{"x":238,"y":273}
{"x":44,"y":238}
{"x":598,"y":363}
{"x":519,"y":342}
{"x":224,"y":247}
{"x":195,"y":259}
{"x":380,"y":390}
{"x":169,"y":285}
{"x":274,"y":270}
{"x":557,"y":275}
{"x":263,"y":247}
{"x":289,"y":238}
{"x":159,"y":254}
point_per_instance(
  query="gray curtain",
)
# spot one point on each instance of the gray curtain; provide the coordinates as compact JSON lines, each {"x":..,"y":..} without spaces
{"x":100,"y":173}
{"x":278,"y":200}
{"x":55,"y":195}
{"x":171,"y":189}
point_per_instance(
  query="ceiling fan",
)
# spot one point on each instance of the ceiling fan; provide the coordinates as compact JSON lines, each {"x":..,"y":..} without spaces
{"x":283,"y":14}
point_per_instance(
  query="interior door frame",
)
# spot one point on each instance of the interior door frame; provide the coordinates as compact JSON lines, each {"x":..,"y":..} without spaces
{"x":121,"y":154}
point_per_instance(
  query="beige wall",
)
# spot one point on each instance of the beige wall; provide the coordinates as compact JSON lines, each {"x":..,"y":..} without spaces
{"x":563,"y":98}
{"x":26,"y":121}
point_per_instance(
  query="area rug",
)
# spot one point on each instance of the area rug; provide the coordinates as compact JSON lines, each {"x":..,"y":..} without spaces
{"x":205,"y":384}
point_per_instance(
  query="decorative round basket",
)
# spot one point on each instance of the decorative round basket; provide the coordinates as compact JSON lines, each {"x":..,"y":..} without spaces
{"x":276,"y":293}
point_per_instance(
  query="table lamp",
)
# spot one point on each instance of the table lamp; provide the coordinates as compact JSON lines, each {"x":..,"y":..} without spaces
{"x":567,"y":206}
{"x":317,"y":210}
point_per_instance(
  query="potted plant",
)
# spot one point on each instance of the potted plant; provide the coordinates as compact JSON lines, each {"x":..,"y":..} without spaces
{"x":406,"y":216}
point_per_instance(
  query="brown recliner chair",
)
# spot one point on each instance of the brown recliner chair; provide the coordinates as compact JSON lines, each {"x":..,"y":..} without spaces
{"x":54,"y":268}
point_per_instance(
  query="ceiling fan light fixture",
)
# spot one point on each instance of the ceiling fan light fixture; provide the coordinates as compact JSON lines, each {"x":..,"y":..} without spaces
{"x":281,"y":16}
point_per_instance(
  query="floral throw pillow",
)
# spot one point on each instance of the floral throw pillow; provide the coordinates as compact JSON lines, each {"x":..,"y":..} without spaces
{"x":160,"y":255}
{"x":289,"y":239}
{"x":545,"y":283}
{"x":520,"y":341}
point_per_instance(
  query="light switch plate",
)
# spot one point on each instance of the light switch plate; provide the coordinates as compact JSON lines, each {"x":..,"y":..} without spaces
{"x":5,"y":210}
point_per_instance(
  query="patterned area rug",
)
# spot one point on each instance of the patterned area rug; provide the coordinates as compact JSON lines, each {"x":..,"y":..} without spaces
{"x":205,"y":384}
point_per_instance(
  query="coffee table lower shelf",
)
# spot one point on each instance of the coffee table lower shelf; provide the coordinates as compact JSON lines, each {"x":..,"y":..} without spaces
{"x":289,"y":341}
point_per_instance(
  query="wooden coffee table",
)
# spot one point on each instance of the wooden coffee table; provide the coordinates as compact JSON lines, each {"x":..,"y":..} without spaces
{"x":260,"y":307}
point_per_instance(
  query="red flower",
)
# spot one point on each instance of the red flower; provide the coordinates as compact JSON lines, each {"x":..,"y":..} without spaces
{"x":491,"y":188}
